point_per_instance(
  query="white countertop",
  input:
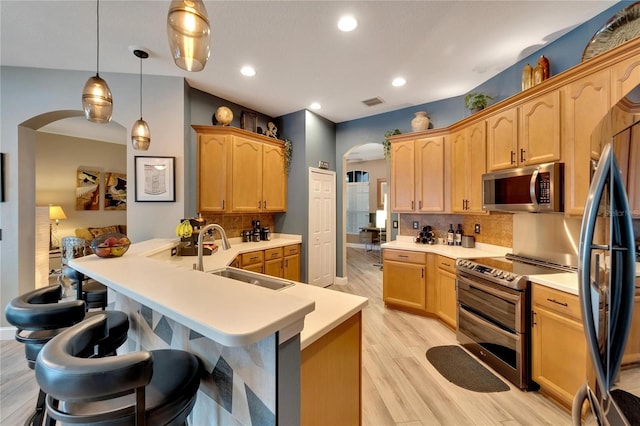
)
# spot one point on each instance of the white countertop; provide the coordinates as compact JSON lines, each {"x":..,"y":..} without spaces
{"x":480,"y":250}
{"x":224,"y":310}
{"x":565,"y":281}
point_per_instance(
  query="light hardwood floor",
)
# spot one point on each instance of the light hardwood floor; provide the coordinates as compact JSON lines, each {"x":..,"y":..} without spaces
{"x":400,"y":387}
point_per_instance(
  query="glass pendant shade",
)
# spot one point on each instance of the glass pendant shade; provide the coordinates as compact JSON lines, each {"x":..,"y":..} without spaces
{"x":97,"y":102}
{"x":140,"y":135}
{"x":189,"y":34}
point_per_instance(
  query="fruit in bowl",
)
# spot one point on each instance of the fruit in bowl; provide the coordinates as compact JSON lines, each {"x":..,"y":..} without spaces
{"x":110,"y":245}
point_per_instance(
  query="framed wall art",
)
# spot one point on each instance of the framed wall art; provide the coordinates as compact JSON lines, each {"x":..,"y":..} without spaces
{"x":88,"y":181}
{"x":155,"y":179}
{"x":115,"y":191}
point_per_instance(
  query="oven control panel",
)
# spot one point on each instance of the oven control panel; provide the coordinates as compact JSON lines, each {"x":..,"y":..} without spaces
{"x":492,"y":274}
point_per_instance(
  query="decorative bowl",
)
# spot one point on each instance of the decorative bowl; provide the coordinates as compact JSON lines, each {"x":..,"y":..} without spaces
{"x":110,"y":245}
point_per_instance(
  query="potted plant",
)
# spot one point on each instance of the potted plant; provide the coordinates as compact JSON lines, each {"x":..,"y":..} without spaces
{"x":386,"y":144}
{"x":475,"y":101}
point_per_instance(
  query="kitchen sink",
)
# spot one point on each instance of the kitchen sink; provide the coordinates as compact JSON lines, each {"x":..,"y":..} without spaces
{"x":253,"y":278}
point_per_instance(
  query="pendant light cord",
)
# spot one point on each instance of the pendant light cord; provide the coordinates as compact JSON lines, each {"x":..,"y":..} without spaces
{"x":98,"y":38}
{"x":140,"y":87}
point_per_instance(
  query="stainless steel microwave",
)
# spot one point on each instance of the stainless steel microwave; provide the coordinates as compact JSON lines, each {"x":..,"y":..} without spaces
{"x":538,"y":188}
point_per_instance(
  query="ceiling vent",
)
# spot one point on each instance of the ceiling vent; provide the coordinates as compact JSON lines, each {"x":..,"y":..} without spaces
{"x":373,"y":101}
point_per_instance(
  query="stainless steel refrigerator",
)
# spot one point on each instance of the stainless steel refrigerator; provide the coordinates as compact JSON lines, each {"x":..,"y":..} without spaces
{"x":606,"y":268}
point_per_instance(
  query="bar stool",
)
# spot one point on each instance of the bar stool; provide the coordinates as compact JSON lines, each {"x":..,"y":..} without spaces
{"x":92,"y":292}
{"x":155,"y":388}
{"x":39,"y":317}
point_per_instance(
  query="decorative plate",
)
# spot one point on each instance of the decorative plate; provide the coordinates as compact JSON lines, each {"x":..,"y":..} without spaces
{"x":620,"y":28}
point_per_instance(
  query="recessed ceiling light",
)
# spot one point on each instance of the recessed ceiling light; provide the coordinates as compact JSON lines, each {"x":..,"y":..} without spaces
{"x":347,"y":23}
{"x":315,"y":105}
{"x":398,"y":82}
{"x":248,"y":70}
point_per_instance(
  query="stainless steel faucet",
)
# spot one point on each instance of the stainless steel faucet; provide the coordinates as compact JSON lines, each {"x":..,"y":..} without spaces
{"x":223,"y":235}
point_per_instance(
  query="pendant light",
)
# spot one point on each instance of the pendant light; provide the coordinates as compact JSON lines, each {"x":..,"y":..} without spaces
{"x":189,"y":34}
{"x":140,"y":135}
{"x":97,"y":102}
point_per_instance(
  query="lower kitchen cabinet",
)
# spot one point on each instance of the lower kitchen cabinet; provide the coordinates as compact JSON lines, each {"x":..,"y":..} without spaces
{"x":273,"y":262}
{"x":404,"y":279}
{"x":446,"y":299}
{"x":253,"y":261}
{"x":330,"y":377}
{"x":632,"y":351}
{"x":291,"y":262}
{"x":560,"y":360}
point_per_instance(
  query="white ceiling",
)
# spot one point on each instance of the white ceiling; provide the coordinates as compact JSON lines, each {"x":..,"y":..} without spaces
{"x":442,"y":48}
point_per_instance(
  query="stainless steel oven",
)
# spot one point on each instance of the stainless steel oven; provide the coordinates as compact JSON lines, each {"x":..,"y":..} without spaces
{"x":494,"y":312}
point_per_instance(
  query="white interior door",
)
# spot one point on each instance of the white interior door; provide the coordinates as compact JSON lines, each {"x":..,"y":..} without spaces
{"x":321,"y":259}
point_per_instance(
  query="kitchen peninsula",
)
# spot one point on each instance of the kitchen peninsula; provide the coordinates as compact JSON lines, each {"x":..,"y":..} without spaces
{"x":259,"y":347}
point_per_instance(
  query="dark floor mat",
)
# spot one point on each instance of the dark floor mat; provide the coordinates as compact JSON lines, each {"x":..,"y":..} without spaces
{"x":629,"y":404}
{"x":463,"y":370}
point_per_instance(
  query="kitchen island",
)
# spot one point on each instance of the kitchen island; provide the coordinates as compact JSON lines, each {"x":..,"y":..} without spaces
{"x":249,"y":338}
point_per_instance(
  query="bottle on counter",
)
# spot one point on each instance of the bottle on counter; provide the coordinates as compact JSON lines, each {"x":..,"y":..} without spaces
{"x":450,"y":235}
{"x":458,"y":236}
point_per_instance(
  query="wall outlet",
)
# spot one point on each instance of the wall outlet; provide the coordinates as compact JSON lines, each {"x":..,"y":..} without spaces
{"x":476,"y":229}
{"x":415,"y":224}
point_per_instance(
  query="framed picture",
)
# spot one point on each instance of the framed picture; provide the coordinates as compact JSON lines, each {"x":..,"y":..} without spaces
{"x":155,"y":179}
{"x":249,"y":121}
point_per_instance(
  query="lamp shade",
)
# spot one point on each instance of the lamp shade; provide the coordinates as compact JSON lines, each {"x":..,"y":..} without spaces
{"x":140,"y":135}
{"x":56,"y":213}
{"x":189,"y":34}
{"x":381,"y":219}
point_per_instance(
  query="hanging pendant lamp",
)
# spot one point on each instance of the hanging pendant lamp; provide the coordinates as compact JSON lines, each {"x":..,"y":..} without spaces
{"x":97,"y":102}
{"x":140,"y":135}
{"x":189,"y":34}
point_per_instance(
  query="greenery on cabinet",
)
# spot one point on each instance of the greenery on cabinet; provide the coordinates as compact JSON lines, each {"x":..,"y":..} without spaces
{"x":386,"y":145}
{"x":475,"y":101}
{"x":288,"y":154}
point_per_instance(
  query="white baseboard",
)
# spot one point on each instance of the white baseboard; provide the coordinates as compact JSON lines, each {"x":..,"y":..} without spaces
{"x":341,"y":280}
{"x":7,"y":333}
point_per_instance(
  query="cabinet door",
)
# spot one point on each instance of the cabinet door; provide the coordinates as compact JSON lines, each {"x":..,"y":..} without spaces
{"x":246,"y":175}
{"x":256,"y":267}
{"x":273,"y":267}
{"x":559,"y":354}
{"x":477,"y":166}
{"x":429,"y":168}
{"x":585,"y":102}
{"x":632,"y":350}
{"x":540,"y":130}
{"x":633,"y":177}
{"x":402,"y":176}
{"x":292,"y":267}
{"x":274,"y":179}
{"x":403,"y":284}
{"x":502,"y":140}
{"x":459,"y":171}
{"x":446,"y":297}
{"x":213,"y":170}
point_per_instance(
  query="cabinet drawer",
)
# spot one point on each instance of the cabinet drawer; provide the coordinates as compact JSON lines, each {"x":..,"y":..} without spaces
{"x":405,"y":256}
{"x":274,"y":253}
{"x":252,"y":258}
{"x":446,"y":263}
{"x":292,"y":249}
{"x":558,"y":301}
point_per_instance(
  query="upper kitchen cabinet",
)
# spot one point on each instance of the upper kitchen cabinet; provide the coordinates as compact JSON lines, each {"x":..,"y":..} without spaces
{"x":525,"y":135}
{"x":258,"y":176}
{"x":418,"y":174}
{"x":468,"y":161}
{"x":212,"y":171}
{"x":240,"y":171}
{"x":585,"y":102}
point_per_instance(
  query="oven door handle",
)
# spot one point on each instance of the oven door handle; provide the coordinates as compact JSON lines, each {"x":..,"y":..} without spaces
{"x":485,"y":323}
{"x":497,"y":293}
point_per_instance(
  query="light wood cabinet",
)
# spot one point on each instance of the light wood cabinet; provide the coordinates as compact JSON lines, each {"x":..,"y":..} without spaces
{"x":632,"y":350}
{"x":213,"y":169}
{"x":418,"y":174}
{"x":404,"y":279}
{"x":585,"y":102}
{"x":292,"y":262}
{"x":468,"y":164}
{"x":253,"y":261}
{"x":273,"y":263}
{"x":559,"y":348}
{"x":525,"y":135}
{"x":240,"y":171}
{"x":446,"y":298}
{"x":330,"y":377}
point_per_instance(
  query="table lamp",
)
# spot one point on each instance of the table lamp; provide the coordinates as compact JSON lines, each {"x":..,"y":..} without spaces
{"x":55,"y":213}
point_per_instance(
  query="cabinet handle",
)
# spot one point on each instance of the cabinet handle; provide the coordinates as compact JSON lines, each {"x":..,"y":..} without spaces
{"x":222,"y":204}
{"x":265,"y":204}
{"x":533,"y":318}
{"x":565,"y":304}
{"x":447,"y":265}
{"x":274,"y":254}
{"x":412,"y":207}
{"x":403,"y":256}
{"x":254,"y":258}
{"x":260,"y":204}
{"x":513,"y":157}
{"x":422,"y":272}
{"x":522,"y":151}
{"x":463,"y":205}
{"x":420,"y":204}
{"x":286,"y":263}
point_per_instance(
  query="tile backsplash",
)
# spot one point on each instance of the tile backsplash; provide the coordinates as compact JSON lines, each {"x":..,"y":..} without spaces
{"x":495,"y":228}
{"x":233,"y":224}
